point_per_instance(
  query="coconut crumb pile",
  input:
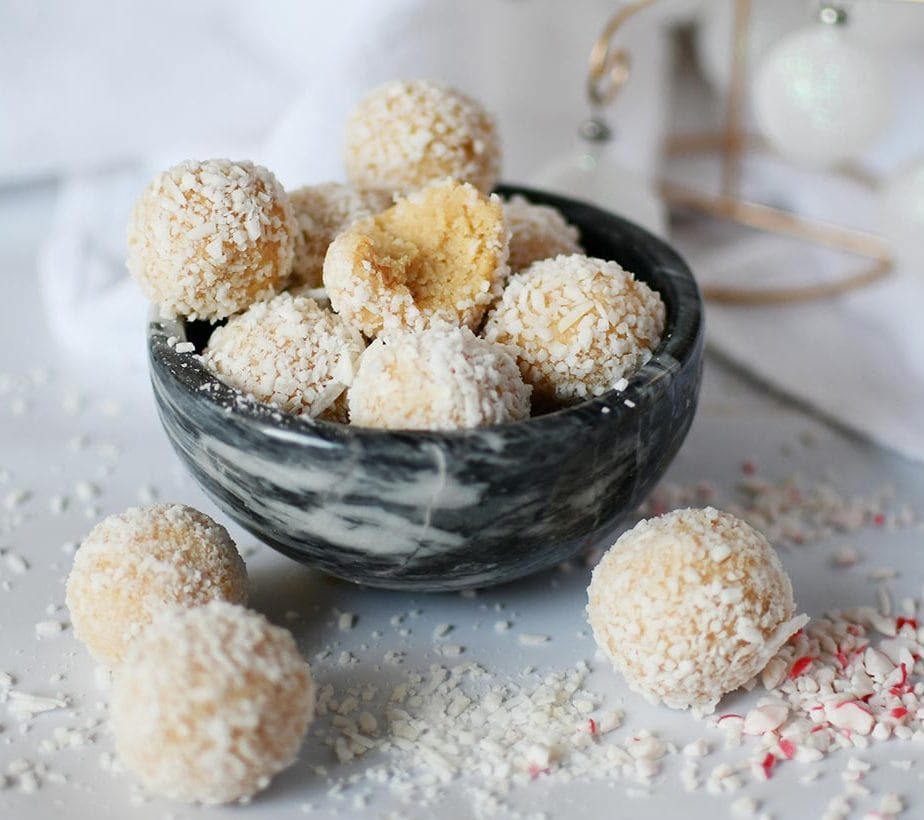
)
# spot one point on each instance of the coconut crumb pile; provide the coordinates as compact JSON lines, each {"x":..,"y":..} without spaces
{"x":403,"y":135}
{"x":580,"y":325}
{"x":206,"y":239}
{"x":690,"y":606}
{"x":441,"y":379}
{"x":289,"y":352}
{"x":537,"y":232}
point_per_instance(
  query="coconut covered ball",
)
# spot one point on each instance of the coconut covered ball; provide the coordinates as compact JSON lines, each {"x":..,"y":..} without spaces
{"x":437,"y":256}
{"x":321,"y":212}
{"x":403,"y":135}
{"x":134,"y":565}
{"x":579,"y":325}
{"x":207,"y":239}
{"x":210,"y":704}
{"x":289,"y":352}
{"x":690,"y":606}
{"x":440,"y":379}
{"x":537,"y":232}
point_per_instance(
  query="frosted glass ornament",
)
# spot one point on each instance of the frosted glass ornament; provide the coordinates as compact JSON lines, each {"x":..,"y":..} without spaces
{"x":902,"y":211}
{"x":768,"y":21}
{"x":588,"y":174}
{"x":819,"y":99}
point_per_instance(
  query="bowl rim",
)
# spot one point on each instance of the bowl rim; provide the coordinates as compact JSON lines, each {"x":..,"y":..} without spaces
{"x":678,"y":345}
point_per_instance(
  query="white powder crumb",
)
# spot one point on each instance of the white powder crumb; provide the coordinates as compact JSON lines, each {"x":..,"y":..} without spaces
{"x":185,"y":347}
{"x":86,"y":491}
{"x":69,"y":547}
{"x":450,"y":650}
{"x":528,"y":639}
{"x":23,"y":705}
{"x":6,"y":680}
{"x":346,"y":621}
{"x":396,"y":620}
{"x":621,"y":385}
{"x":103,"y":678}
{"x":904,"y":765}
{"x":16,"y":498}
{"x":48,"y":629}
{"x":810,"y":776}
{"x":629,"y":403}
{"x":698,"y":748}
{"x":441,"y":629}
{"x":891,"y":805}
{"x":845,"y":557}
{"x":501,"y":626}
{"x":855,"y":764}
{"x":16,"y":563}
{"x":882,"y":574}
{"x":57,"y":504}
{"x":147,"y":494}
{"x":394,"y":657}
{"x":744,"y":807}
{"x":346,"y":659}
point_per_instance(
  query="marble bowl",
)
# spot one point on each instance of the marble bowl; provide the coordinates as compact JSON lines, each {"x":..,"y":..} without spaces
{"x":442,"y":511}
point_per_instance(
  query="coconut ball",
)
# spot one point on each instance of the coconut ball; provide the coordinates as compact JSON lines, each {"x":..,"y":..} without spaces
{"x":134,"y":565}
{"x":691,"y":605}
{"x":444,"y":378}
{"x":403,"y":135}
{"x":207,"y":239}
{"x":289,"y":352}
{"x":437,"y":256}
{"x":210,"y":704}
{"x":579,"y":325}
{"x":537,"y":232}
{"x":321,"y":212}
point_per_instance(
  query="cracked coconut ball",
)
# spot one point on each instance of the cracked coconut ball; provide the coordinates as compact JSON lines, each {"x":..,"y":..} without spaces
{"x":691,"y":605}
{"x":578,"y":324}
{"x":437,"y":256}
{"x":289,"y":352}
{"x":210,"y":704}
{"x":207,"y":239}
{"x":321,"y":212}
{"x":440,"y":379}
{"x":134,"y":565}
{"x":403,"y":135}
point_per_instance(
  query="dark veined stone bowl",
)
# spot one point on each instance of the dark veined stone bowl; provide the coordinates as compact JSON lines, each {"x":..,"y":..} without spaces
{"x":445,"y":510}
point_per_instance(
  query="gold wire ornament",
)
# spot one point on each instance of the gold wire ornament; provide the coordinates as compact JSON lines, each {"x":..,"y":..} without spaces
{"x":609,"y":71}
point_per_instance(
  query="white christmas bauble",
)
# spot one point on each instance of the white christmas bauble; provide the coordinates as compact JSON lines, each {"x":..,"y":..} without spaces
{"x":768,"y":21}
{"x":903,"y":216}
{"x":819,"y":99}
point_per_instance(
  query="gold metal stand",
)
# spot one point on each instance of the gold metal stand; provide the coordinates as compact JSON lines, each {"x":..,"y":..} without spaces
{"x":609,"y":71}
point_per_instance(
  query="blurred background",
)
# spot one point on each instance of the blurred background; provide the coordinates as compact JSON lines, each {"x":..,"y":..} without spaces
{"x":95,"y":97}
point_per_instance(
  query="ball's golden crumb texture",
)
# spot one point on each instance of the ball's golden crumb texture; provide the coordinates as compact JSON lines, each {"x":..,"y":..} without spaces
{"x":207,"y":239}
{"x":579,"y":325}
{"x":321,"y":212}
{"x":210,"y":704}
{"x":444,"y":378}
{"x":537,"y":232}
{"x":134,"y":565}
{"x":404,"y":135}
{"x":436,"y":256}
{"x":690,"y":606}
{"x":289,"y":352}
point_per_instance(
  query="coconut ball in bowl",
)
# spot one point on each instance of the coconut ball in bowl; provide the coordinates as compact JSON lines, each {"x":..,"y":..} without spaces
{"x":439,"y":509}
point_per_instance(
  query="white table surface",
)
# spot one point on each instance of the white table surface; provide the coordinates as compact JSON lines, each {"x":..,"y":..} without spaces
{"x":46,"y":401}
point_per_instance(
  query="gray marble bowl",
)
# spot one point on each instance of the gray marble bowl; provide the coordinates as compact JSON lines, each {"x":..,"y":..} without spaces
{"x":441,"y":511}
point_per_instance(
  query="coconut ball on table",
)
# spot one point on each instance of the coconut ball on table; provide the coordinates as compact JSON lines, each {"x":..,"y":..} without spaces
{"x":210,"y":704}
{"x":134,"y":565}
{"x":537,"y":232}
{"x":437,"y":256}
{"x":690,"y":606}
{"x":289,"y":352}
{"x":321,"y":212}
{"x":207,"y":239}
{"x":579,"y":325}
{"x":444,"y":378}
{"x":403,"y":135}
